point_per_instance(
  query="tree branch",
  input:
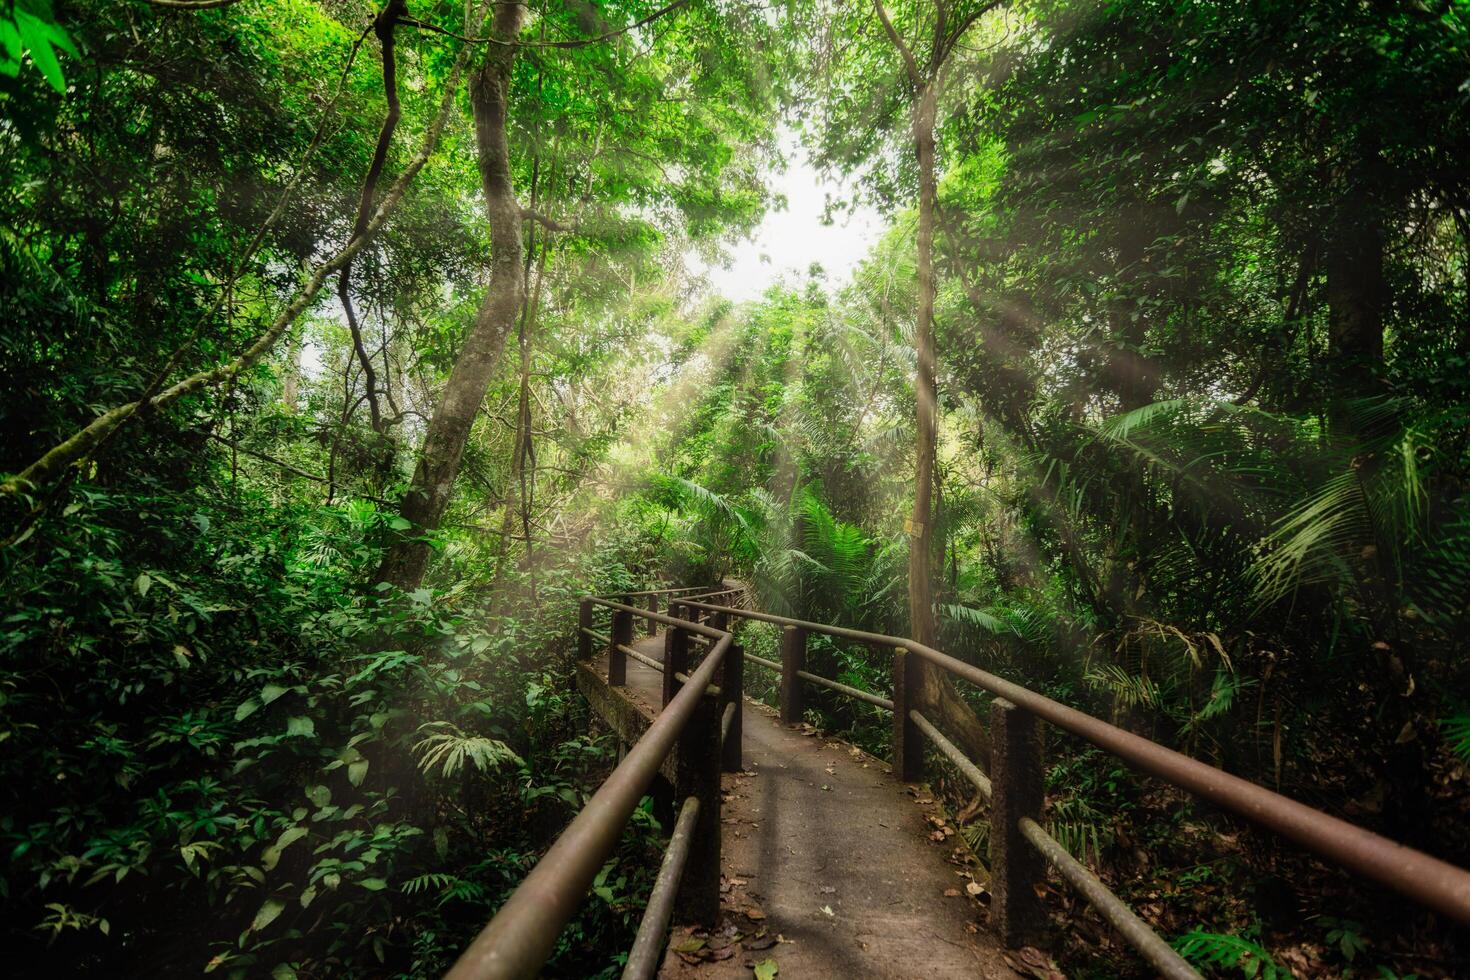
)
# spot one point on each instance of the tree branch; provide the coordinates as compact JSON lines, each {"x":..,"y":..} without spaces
{"x":548,"y":223}
{"x":82,"y":443}
{"x":580,"y":42}
{"x":383,"y":25}
{"x":910,"y":65}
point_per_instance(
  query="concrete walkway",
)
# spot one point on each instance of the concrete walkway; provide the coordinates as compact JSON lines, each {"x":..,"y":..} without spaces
{"x":830,"y":866}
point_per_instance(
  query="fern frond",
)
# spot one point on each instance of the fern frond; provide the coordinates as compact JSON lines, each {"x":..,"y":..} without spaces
{"x":449,"y":748}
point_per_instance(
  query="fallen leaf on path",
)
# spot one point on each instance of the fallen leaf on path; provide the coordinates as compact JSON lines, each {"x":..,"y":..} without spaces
{"x":766,"y":969}
{"x":1032,"y":962}
{"x":690,"y":945}
{"x":827,"y":911}
{"x":764,"y":941}
{"x":951,"y":893}
{"x":973,"y":888}
{"x":754,"y":912}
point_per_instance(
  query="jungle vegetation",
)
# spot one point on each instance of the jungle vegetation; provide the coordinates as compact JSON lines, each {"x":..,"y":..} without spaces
{"x":343,"y":346}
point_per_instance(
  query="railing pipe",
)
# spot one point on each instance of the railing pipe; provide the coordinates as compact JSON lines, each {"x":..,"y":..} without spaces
{"x":523,"y":933}
{"x":1436,"y":884}
{"x":952,"y":752}
{"x":648,"y":946}
{"x":1117,"y":913}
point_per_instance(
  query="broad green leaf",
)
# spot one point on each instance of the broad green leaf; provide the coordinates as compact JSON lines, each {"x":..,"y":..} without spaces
{"x":272,"y":855}
{"x":10,"y":38}
{"x":143,"y":582}
{"x":766,"y":969}
{"x":373,"y":884}
{"x":269,"y":912}
{"x":246,"y":709}
{"x":37,"y":35}
{"x":271,"y":692}
{"x":300,"y":725}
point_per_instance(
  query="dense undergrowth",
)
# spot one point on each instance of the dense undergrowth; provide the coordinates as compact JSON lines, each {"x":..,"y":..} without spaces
{"x":253,"y":764}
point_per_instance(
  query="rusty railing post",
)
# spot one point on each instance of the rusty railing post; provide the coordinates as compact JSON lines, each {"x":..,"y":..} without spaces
{"x":1015,"y":866}
{"x":584,"y":623}
{"x":676,"y":660}
{"x":697,"y":774}
{"x":619,"y":636}
{"x":732,"y":695}
{"x":908,"y":741}
{"x":793,"y":659}
{"x":653,"y":608}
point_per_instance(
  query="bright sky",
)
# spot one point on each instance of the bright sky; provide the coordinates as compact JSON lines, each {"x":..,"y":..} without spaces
{"x":790,"y":240}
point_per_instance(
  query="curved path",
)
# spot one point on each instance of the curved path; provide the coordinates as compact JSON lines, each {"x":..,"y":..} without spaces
{"x":829,"y":865}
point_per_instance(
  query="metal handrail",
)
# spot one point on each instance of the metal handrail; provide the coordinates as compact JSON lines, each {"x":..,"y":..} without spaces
{"x":1428,"y":880}
{"x":520,"y":937}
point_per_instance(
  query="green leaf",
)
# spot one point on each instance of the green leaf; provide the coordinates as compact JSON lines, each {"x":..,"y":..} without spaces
{"x":271,"y":692}
{"x":319,"y":795}
{"x":142,"y":583}
{"x":766,"y":969}
{"x":268,"y":913}
{"x":399,"y":524}
{"x":272,"y":855}
{"x":373,"y":884}
{"x":10,"y":38}
{"x":300,"y":725}
{"x":246,"y":709}
{"x":357,"y":771}
{"x":37,"y":35}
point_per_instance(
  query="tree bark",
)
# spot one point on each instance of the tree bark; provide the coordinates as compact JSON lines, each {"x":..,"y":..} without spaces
{"x":1355,"y":288}
{"x":428,"y":497}
{"x":937,"y":694}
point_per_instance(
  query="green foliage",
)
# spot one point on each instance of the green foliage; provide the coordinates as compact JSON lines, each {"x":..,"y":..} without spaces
{"x":1210,"y":949}
{"x":29,"y":32}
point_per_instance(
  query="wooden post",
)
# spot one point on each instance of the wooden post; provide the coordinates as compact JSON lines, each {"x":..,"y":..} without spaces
{"x":908,"y":744}
{"x":584,"y":623}
{"x":1015,"y":867}
{"x":732,"y":692}
{"x":653,"y":608}
{"x":793,"y":658}
{"x":697,"y":771}
{"x":676,"y":660}
{"x":619,"y":636}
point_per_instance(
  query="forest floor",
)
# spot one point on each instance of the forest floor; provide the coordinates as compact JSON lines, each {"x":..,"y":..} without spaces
{"x":830,"y":867}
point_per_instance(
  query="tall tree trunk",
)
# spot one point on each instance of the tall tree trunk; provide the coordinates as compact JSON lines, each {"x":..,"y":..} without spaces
{"x":449,"y":429}
{"x":937,"y":694}
{"x":1356,"y":288}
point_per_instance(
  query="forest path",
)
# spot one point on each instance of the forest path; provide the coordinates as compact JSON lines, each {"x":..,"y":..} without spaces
{"x":824,"y":849}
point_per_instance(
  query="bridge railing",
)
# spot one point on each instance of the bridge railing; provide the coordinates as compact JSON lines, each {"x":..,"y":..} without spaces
{"x":1015,"y":788}
{"x":700,"y":724}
